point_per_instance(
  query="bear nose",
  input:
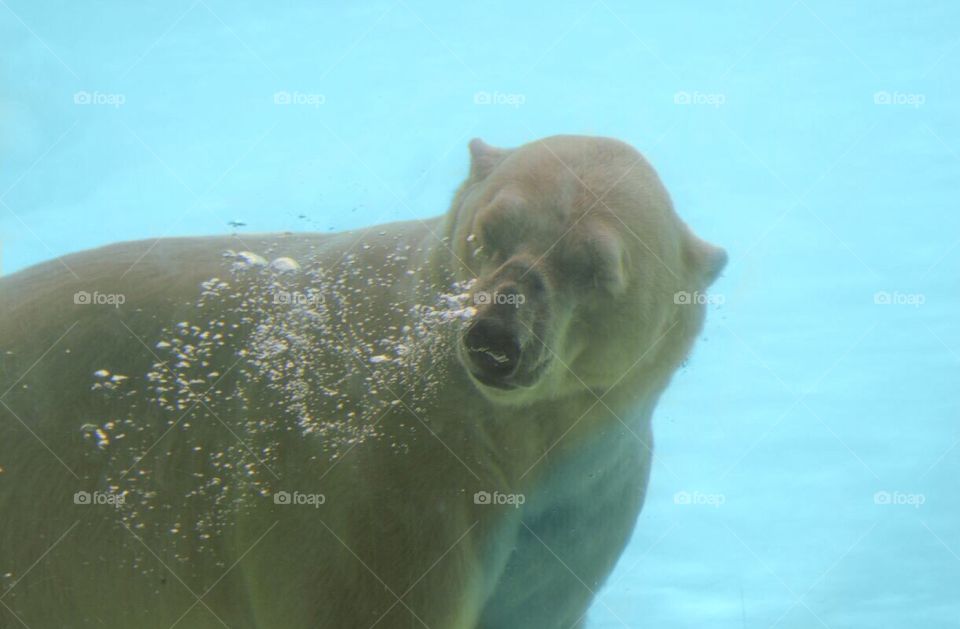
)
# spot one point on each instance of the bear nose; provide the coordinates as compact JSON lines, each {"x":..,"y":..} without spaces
{"x":494,"y":352}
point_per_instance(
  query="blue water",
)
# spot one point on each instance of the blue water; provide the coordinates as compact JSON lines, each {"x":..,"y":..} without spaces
{"x":820,"y":146}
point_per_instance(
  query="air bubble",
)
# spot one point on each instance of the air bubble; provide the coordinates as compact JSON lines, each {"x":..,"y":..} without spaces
{"x":285,"y":265}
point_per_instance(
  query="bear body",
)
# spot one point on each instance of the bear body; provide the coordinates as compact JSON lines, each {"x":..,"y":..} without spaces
{"x":439,"y":423}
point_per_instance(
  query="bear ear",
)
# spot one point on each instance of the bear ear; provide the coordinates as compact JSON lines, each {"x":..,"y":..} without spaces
{"x":484,"y":158}
{"x":706,"y":260}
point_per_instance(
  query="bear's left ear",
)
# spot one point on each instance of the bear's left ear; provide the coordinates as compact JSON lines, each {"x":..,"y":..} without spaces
{"x":484,"y":158}
{"x":706,"y":260}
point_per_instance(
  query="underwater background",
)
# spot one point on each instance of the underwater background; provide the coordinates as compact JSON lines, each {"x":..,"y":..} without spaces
{"x":808,"y":455}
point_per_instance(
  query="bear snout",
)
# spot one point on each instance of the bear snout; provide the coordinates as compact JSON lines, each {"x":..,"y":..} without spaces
{"x":501,"y":347}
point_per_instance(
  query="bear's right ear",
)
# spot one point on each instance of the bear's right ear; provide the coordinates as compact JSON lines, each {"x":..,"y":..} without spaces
{"x":706,"y":260}
{"x":484,"y":158}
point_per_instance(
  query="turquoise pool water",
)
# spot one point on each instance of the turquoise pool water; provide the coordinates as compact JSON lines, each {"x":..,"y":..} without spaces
{"x":805,"y":454}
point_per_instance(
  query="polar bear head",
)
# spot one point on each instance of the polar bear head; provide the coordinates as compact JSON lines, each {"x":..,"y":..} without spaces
{"x":579,"y":269}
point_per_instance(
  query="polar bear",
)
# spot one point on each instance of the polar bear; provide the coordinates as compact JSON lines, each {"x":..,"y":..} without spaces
{"x":441,"y":423}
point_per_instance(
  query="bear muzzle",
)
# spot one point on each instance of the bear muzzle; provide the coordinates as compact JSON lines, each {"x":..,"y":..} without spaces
{"x":502,"y":346}
{"x":493,"y":351}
